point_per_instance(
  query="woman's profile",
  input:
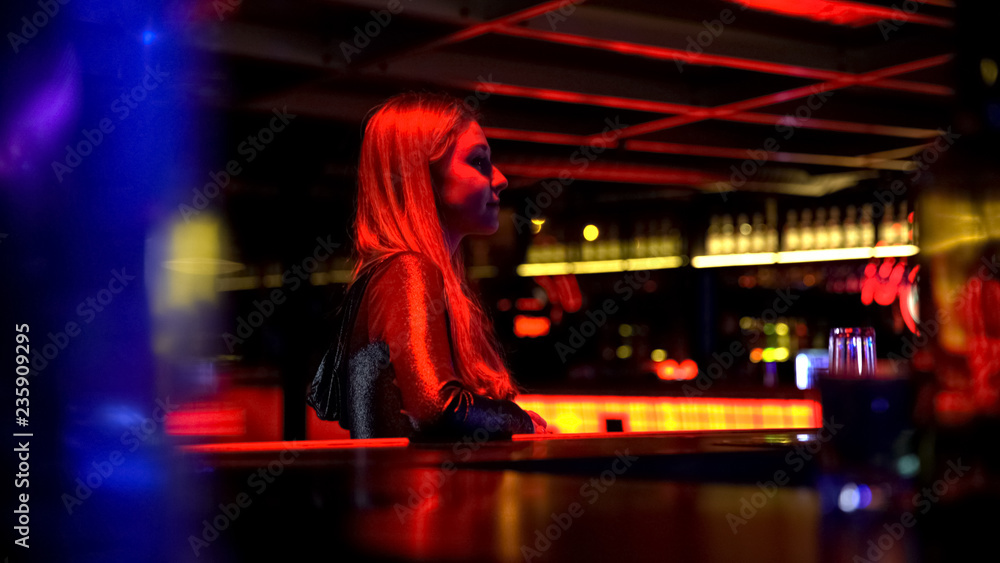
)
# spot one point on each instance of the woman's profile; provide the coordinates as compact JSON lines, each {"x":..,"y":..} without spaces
{"x":415,"y":355}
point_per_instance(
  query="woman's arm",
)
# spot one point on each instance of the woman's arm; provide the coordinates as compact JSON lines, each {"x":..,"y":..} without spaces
{"x":407,"y":311}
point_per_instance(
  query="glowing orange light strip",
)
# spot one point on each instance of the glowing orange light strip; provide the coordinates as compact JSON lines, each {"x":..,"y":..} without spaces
{"x":583,"y":414}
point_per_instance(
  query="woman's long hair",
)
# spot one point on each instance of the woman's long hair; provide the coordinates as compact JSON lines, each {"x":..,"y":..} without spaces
{"x":399,"y":210}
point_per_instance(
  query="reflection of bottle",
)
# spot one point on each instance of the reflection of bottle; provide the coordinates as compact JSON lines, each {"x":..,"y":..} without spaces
{"x":867,"y":227}
{"x":713,"y":242}
{"x":807,"y":236}
{"x":822,"y":234}
{"x":758,"y":239}
{"x":728,"y":244}
{"x":791,"y":234}
{"x":743,"y":236}
{"x":852,"y":234}
{"x":835,"y":232}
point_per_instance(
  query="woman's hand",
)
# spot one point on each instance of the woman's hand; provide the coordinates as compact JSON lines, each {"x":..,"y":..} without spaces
{"x":541,"y":427}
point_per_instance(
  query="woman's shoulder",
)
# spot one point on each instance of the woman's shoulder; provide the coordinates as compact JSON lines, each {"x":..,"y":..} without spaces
{"x":407,"y":267}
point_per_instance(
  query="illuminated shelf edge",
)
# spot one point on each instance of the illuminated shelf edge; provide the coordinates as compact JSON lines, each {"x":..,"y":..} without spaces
{"x":598,"y":266}
{"x":799,"y":256}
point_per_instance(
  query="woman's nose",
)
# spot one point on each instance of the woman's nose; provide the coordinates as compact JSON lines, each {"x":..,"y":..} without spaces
{"x":499,"y":180}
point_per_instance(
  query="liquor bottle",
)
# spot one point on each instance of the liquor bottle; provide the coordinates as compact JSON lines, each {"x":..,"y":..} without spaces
{"x":905,"y":225}
{"x":639,"y":243}
{"x":664,"y":239}
{"x":713,"y":239}
{"x":901,"y":226}
{"x":834,"y":230}
{"x":758,"y":240}
{"x":791,"y":235}
{"x":886,"y":234}
{"x":771,"y":211}
{"x":852,"y":233}
{"x":743,"y":236}
{"x":822,"y":233}
{"x":675,"y":242}
{"x":612,"y":244}
{"x":807,"y":235}
{"x":867,"y":227}
{"x":728,"y":244}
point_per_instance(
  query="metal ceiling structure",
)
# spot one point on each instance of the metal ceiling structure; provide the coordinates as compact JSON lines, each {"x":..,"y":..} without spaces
{"x":667,"y":93}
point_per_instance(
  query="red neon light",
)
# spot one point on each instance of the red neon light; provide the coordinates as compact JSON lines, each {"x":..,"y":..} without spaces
{"x":866,"y":78}
{"x":667,"y":370}
{"x":672,"y":54}
{"x":530,"y":327}
{"x":672,"y":108}
{"x":528,"y":304}
{"x":253,"y":413}
{"x":613,"y":172}
{"x":840,"y":13}
{"x":207,"y":422}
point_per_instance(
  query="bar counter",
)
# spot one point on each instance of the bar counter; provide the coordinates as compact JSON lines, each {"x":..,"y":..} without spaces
{"x":693,"y":496}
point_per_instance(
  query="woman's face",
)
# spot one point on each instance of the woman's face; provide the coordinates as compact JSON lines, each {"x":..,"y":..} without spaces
{"x":469,"y":185}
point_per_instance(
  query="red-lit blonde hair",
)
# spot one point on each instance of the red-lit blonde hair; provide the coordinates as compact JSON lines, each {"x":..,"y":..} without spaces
{"x":399,"y":210}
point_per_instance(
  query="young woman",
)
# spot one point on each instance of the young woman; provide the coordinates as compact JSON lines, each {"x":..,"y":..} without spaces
{"x":421,"y":359}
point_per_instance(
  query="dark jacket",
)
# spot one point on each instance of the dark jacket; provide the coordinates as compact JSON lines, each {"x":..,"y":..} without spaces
{"x":390,"y":371}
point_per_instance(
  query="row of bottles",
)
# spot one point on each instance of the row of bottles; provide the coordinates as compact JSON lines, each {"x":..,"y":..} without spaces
{"x":805,"y":229}
{"x":809,"y":231}
{"x":653,"y":238}
{"x":725,"y":237}
{"x":756,"y":234}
